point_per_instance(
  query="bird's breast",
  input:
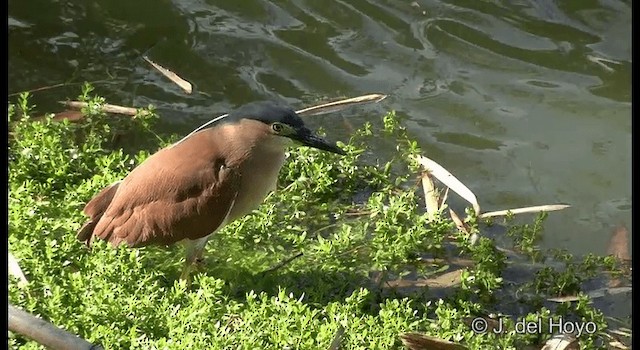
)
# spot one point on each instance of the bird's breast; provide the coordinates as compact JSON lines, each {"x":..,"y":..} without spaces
{"x":259,"y":176}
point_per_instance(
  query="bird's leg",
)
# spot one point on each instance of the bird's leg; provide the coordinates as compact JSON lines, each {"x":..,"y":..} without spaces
{"x":186,"y":271}
{"x":194,"y":250}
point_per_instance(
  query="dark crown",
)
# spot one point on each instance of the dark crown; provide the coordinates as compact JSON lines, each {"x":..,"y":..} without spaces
{"x":267,"y":112}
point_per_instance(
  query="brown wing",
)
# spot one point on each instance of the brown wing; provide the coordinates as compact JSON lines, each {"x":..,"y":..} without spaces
{"x":94,"y":209}
{"x":173,"y":195}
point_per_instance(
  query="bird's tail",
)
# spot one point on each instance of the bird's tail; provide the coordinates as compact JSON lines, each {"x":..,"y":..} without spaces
{"x":95,"y":209}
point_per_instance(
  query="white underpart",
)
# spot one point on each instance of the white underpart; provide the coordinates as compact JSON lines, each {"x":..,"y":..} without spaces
{"x":254,"y":188}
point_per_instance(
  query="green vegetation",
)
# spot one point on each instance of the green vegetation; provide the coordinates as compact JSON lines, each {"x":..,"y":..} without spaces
{"x":321,"y":253}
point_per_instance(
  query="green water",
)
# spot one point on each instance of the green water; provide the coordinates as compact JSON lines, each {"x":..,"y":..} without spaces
{"x":527,"y":102}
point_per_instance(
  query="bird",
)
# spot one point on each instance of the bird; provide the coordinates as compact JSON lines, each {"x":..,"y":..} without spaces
{"x":190,"y":190}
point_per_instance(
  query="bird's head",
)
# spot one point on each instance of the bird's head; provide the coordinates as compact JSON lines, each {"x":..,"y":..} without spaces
{"x":282,"y":122}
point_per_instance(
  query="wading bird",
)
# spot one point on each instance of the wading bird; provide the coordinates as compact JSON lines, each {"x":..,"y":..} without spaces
{"x":188,"y":191}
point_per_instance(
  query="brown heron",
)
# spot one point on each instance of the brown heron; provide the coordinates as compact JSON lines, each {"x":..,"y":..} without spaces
{"x":193,"y":188}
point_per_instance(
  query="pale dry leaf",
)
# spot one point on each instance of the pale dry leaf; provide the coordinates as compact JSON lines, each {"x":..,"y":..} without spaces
{"x":474,"y":238}
{"x":535,"y":209}
{"x":459,"y":223}
{"x":444,"y":176}
{"x":615,"y":342}
{"x":624,"y":332}
{"x":339,"y":105}
{"x":430,"y":195}
{"x":601,"y":62}
{"x":568,"y":298}
{"x":443,"y":201}
{"x":183,"y":84}
{"x":618,"y":345}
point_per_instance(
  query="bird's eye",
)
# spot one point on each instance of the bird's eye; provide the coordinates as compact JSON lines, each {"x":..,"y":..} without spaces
{"x":277,"y":127}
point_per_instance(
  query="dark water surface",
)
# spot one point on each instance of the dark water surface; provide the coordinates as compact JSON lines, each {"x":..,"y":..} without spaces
{"x":527,"y":102}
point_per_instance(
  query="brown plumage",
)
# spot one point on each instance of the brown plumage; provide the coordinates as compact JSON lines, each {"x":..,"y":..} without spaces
{"x":193,"y":188}
{"x":180,"y":192}
{"x":94,"y":209}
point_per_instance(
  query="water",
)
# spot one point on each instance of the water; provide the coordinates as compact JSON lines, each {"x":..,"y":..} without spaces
{"x":527,"y":102}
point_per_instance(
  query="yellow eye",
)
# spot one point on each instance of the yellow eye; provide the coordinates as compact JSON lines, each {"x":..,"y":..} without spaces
{"x":277,"y":127}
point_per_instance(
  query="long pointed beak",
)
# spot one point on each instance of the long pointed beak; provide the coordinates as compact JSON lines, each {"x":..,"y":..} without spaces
{"x":307,"y":138}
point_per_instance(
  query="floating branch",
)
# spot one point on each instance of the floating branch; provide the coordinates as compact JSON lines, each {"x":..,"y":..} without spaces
{"x":535,"y":209}
{"x":339,"y":105}
{"x":183,"y":84}
{"x":108,"y":108}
